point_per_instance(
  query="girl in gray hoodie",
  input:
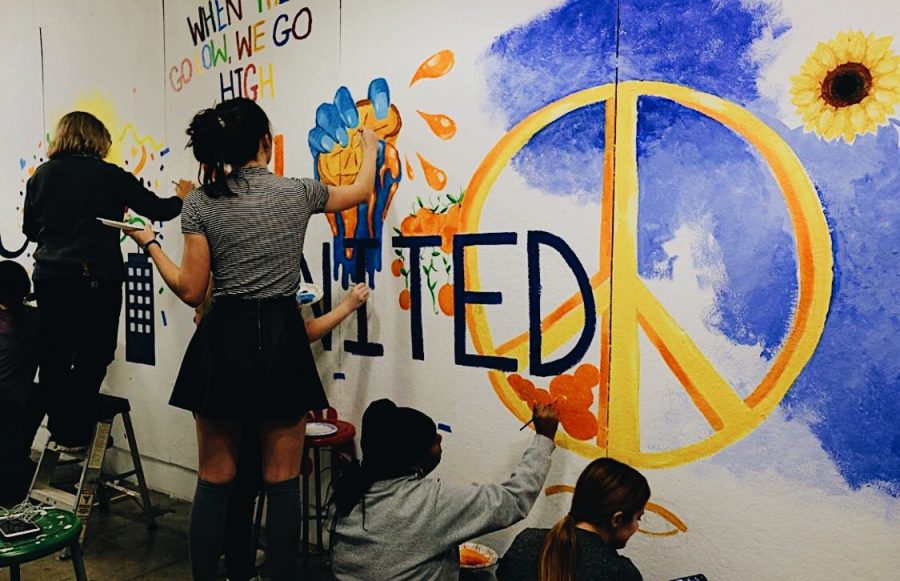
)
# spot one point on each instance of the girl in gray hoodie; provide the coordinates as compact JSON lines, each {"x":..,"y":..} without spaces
{"x":391,"y":522}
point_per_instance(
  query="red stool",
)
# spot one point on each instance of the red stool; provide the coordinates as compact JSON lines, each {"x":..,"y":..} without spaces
{"x":342,"y":448}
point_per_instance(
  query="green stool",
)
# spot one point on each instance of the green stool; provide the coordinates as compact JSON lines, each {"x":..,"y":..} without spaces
{"x":59,"y":530}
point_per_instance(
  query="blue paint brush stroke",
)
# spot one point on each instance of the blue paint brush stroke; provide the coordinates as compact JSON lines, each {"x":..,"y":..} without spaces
{"x":693,"y":170}
{"x":847,"y":394}
{"x":848,"y":391}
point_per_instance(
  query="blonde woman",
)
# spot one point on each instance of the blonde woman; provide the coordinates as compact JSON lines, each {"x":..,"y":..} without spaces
{"x":79,"y":272}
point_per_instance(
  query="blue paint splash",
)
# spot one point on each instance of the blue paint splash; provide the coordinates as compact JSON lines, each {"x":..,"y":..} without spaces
{"x":851,"y":383}
{"x":695,"y":172}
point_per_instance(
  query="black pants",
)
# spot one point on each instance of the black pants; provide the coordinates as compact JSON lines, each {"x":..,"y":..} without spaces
{"x":80,"y":326}
{"x":18,"y":427}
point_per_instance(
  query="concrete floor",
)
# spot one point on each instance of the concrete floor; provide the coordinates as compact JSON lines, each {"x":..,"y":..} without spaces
{"x":119,"y":548}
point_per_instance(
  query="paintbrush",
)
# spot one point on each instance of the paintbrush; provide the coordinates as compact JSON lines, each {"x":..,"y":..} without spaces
{"x":529,"y":422}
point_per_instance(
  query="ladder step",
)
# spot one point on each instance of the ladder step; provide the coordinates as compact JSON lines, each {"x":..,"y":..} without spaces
{"x":54,"y":497}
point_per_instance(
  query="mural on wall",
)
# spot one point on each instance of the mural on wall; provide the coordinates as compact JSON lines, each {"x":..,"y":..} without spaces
{"x":335,"y":146}
{"x":675,"y":141}
{"x":704,"y":151}
{"x":675,"y":219}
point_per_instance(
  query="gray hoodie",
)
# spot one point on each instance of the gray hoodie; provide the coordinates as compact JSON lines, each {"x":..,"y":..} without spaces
{"x":413,"y":527}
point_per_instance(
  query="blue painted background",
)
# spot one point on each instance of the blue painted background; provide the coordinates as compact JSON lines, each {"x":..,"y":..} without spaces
{"x":690,"y":168}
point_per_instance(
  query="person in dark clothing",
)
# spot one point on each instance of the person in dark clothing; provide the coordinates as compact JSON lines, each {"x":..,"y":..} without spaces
{"x":19,"y":409}
{"x":607,"y":506}
{"x":79,"y":272}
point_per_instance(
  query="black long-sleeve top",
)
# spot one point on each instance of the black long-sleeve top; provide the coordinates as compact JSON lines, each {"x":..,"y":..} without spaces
{"x":63,"y":200}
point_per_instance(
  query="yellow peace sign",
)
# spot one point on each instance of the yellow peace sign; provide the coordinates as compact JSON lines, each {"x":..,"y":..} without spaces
{"x":625,"y":303}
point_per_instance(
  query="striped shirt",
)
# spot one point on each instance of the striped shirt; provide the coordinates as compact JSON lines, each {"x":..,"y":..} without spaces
{"x":256,"y":237}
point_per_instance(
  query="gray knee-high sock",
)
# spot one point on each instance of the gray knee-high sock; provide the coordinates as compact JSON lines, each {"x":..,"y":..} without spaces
{"x":206,"y":528}
{"x":283,"y":528}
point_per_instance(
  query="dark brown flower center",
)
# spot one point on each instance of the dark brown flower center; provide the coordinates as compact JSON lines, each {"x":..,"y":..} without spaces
{"x":847,"y":85}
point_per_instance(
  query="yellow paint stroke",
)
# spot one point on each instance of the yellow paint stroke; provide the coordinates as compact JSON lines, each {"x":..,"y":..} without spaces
{"x":441,"y":125}
{"x":435,"y":176}
{"x":633,"y":308}
{"x":409,"y":169}
{"x":437,"y":65}
{"x":138,"y":139}
{"x":104,"y":110}
{"x":657,"y":509}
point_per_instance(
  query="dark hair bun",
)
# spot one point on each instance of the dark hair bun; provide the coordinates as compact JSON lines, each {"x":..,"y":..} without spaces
{"x":207,"y":137}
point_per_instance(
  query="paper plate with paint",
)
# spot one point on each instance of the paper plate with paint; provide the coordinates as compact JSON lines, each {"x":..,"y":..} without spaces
{"x":476,"y":556}
{"x":319,"y":429}
{"x":308,"y":293}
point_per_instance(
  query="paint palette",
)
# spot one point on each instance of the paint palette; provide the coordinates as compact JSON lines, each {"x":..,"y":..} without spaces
{"x":320,"y":429}
{"x":476,"y":556}
{"x":308,"y":293}
{"x":121,"y":225}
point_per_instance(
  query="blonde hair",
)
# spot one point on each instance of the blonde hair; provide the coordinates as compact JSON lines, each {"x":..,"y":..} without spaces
{"x":80,"y":133}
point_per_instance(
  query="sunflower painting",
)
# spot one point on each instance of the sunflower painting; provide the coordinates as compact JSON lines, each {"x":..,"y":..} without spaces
{"x":848,"y":86}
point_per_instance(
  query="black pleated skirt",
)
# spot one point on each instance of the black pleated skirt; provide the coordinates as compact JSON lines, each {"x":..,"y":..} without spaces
{"x":250,"y":359}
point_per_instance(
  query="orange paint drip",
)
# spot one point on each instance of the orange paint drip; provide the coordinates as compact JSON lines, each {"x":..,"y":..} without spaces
{"x":435,"y":176}
{"x":441,"y":125}
{"x":667,"y":515}
{"x":437,"y":65}
{"x":409,"y":169}
{"x":558,"y":489}
{"x":141,"y":162}
{"x":278,"y":147}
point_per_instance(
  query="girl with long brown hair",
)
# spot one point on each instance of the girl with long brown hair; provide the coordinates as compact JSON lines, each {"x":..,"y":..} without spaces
{"x":607,"y":506}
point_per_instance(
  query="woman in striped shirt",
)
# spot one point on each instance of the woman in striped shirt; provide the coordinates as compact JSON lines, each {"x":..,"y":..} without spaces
{"x":249,"y":358}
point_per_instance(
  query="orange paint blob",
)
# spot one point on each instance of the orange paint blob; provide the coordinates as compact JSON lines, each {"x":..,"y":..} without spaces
{"x":437,"y":65}
{"x":396,"y":267}
{"x":435,"y":176}
{"x":587,"y":375}
{"x":581,"y":425}
{"x":405,"y":299}
{"x":409,"y":169}
{"x":441,"y":125}
{"x":409,"y":226}
{"x":445,"y":299}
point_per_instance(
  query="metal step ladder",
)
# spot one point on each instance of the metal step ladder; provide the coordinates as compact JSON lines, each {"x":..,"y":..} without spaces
{"x":94,"y":485}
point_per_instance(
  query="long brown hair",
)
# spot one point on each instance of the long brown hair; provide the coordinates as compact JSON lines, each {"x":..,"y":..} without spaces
{"x":80,"y":133}
{"x":605,"y":487}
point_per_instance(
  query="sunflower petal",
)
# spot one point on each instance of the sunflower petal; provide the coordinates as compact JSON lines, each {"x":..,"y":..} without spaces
{"x":804,"y":83}
{"x":877,"y":48}
{"x":838,"y":44}
{"x":857,"y":117}
{"x":825,"y":56}
{"x":886,"y":97}
{"x":856,"y":50}
{"x":825,"y":121}
{"x":812,"y":112}
{"x":874,"y":111}
{"x":805,"y":98}
{"x":885,"y":66}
